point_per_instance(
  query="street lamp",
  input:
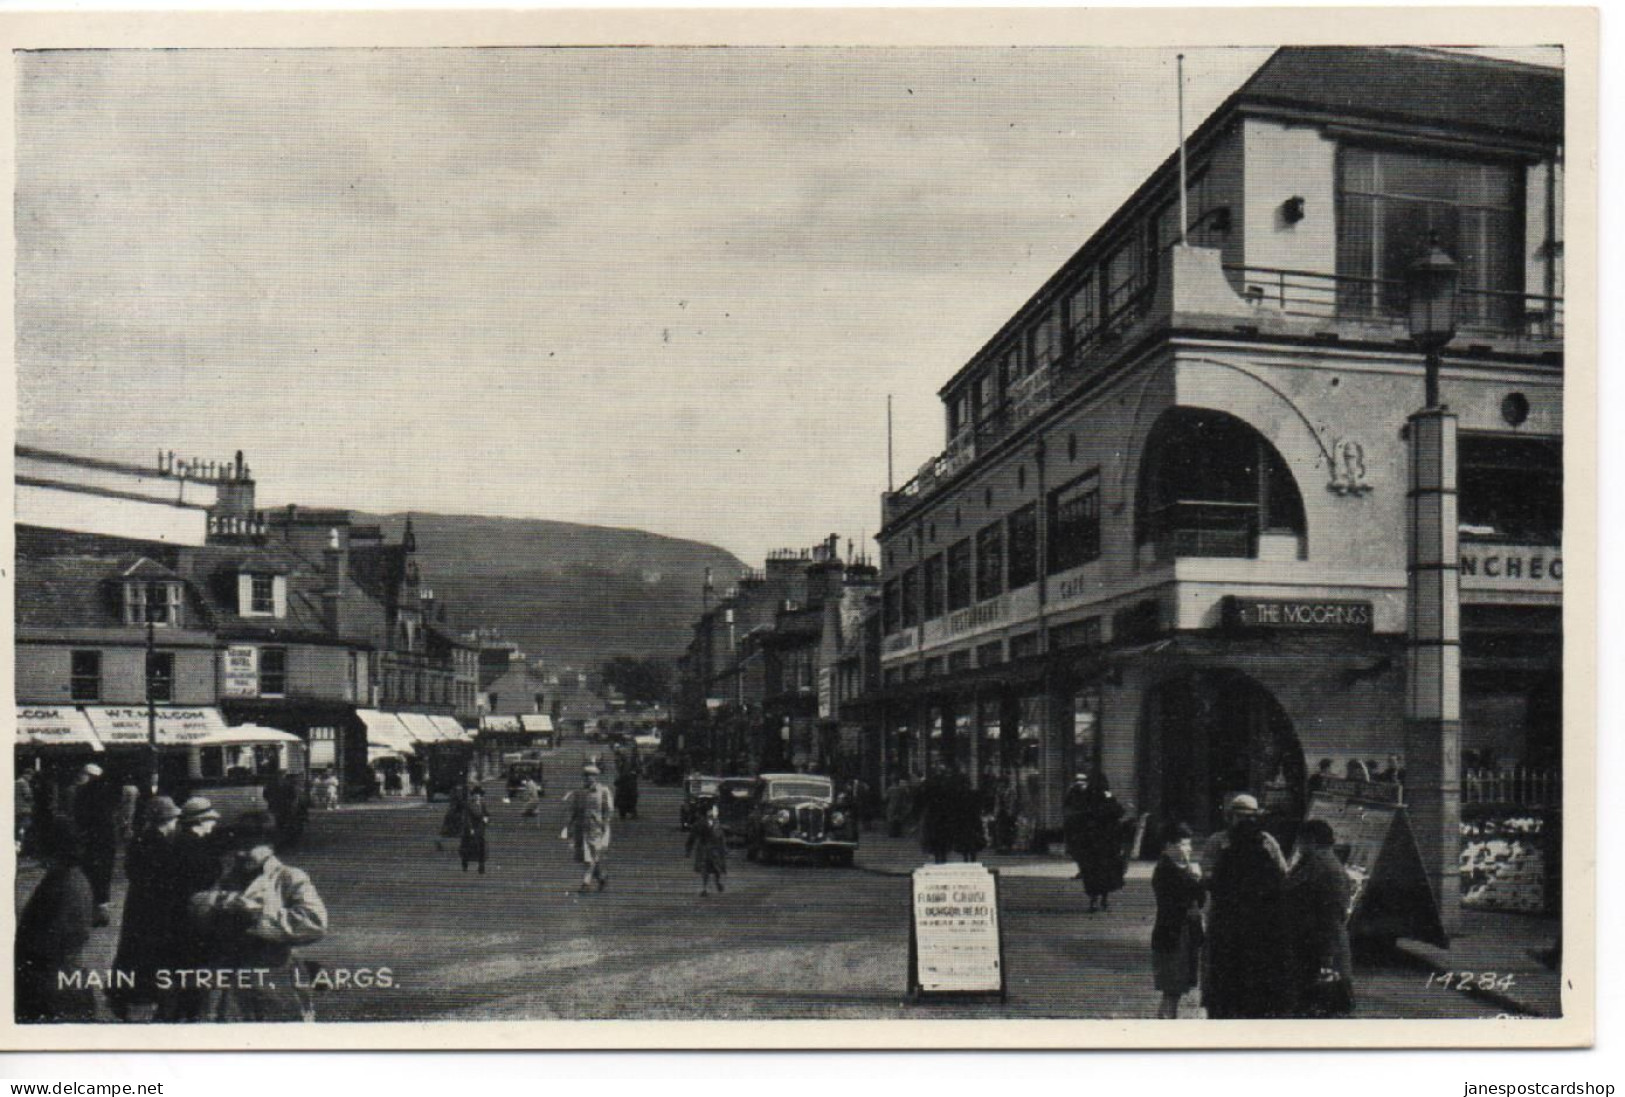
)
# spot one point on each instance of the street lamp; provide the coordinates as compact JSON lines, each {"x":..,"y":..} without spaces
{"x":1433,"y":596}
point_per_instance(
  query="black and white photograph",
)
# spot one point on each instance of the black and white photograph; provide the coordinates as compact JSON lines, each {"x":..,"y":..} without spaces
{"x":532,"y":531}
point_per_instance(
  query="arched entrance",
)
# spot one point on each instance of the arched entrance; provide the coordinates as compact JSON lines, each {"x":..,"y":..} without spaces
{"x":1210,"y":733}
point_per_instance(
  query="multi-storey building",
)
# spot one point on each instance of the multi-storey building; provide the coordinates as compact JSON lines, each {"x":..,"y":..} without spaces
{"x":1167,"y":534}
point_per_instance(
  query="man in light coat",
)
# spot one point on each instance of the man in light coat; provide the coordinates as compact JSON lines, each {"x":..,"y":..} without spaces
{"x":591,"y":806}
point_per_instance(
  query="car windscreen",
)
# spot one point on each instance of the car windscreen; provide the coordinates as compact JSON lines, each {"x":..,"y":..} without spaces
{"x":703,"y":788}
{"x":800,"y":790}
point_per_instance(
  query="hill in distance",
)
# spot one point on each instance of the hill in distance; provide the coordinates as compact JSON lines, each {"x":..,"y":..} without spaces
{"x":572,"y":595}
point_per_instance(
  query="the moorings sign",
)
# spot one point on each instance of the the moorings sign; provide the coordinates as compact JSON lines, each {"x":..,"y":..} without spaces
{"x":1319,"y":614}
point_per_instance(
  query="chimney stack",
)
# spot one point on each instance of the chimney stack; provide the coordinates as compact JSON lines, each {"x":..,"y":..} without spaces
{"x":335,"y":566}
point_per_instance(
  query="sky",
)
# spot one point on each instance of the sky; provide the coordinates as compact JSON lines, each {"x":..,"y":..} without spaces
{"x":653,"y":288}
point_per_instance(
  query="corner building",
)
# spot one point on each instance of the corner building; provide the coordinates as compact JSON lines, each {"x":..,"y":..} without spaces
{"x":1167,"y":533}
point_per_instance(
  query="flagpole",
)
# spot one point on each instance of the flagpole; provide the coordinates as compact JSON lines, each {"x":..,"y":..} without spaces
{"x":1184,"y":211}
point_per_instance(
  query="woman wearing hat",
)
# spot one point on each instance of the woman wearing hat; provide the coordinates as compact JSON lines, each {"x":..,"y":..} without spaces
{"x":260,"y":911}
{"x":590,"y":807}
{"x":52,"y":931}
{"x":1247,"y":973}
{"x":1317,"y":911}
{"x":154,"y":907}
{"x":1176,"y":936}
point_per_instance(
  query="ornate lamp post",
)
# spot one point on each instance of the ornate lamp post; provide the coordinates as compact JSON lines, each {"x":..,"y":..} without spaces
{"x":1433,"y":601}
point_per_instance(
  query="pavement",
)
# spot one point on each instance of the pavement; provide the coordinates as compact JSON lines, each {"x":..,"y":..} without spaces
{"x":415,"y":938}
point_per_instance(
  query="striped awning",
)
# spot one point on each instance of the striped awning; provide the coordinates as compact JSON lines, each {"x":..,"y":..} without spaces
{"x":385,"y":729}
{"x":450,"y":729}
{"x":55,"y":726}
{"x":421,"y":726}
{"x":127,"y":726}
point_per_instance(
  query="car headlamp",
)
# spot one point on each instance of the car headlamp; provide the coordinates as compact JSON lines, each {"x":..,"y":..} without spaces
{"x":837,"y":819}
{"x":783,"y":817}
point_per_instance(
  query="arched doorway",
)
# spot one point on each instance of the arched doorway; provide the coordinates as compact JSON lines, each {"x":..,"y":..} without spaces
{"x":1211,"y":733}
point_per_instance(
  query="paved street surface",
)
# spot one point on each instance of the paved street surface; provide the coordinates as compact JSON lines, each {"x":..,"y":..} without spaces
{"x":786,"y":941}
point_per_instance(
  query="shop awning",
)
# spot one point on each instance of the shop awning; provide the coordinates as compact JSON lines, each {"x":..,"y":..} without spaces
{"x":385,"y":729}
{"x":500,"y":723}
{"x":177,"y":727}
{"x":421,"y":727}
{"x":450,"y":729}
{"x":55,"y":726}
{"x":536,"y":721}
{"x":239,"y":734}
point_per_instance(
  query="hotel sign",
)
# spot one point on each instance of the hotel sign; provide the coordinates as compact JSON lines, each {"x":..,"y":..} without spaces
{"x":1318,"y":614}
{"x":241,"y":671}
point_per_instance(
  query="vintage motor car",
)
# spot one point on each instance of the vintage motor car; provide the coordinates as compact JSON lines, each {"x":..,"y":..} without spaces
{"x":799,"y":813}
{"x":693,"y":790}
{"x":734,"y":805}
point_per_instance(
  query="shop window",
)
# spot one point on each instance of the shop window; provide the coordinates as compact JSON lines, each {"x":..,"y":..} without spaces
{"x":1023,"y":539}
{"x":911,"y":597}
{"x":1074,"y":523}
{"x":1392,"y":203}
{"x":1210,"y":485}
{"x":932,"y":595}
{"x":1510,"y":489}
{"x":1085,"y":729}
{"x":1078,"y":634}
{"x":273,"y":672}
{"x":990,"y":561}
{"x":161,"y":676}
{"x":85,"y":676}
{"x":959,"y":574}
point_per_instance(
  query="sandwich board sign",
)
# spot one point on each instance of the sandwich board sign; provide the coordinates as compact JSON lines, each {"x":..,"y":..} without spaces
{"x":955,"y":941}
{"x":1392,"y":896}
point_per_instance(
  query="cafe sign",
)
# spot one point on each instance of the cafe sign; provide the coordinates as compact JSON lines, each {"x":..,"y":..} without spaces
{"x":1511,"y":567}
{"x":1316,"y":614}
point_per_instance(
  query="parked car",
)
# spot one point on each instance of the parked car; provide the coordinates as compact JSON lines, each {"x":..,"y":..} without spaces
{"x":799,"y":813}
{"x":693,"y":789}
{"x":734,"y":805}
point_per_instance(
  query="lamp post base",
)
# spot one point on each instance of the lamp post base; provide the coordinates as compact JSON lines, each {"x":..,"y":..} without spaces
{"x":1433,"y":803}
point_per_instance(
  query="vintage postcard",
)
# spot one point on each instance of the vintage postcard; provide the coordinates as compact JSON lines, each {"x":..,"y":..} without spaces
{"x":802,"y":529}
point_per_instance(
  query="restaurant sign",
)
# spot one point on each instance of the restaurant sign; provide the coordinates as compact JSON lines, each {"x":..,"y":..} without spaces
{"x":1318,"y":614}
{"x":1511,"y":567}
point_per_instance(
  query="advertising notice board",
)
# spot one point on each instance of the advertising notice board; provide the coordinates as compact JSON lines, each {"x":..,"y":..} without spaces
{"x":955,"y":942}
{"x":1391,"y":893}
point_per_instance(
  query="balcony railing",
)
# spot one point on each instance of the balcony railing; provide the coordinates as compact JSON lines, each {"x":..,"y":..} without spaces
{"x":1519,"y":786}
{"x":1202,"y":528}
{"x":1374,"y":300}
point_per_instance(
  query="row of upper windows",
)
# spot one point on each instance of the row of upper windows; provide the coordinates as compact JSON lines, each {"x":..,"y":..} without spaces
{"x":1390,"y":204}
{"x":162,"y":603}
{"x":85,"y":682}
{"x":1003,"y":555}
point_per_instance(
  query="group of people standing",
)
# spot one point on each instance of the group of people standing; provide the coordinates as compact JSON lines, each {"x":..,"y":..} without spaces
{"x":1274,"y":942}
{"x":200,"y":900}
{"x":588,"y":812}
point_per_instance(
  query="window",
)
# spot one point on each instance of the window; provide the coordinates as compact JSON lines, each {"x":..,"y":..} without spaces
{"x":891,"y":608}
{"x":1046,"y":337}
{"x":1510,"y":489}
{"x":1125,"y":276}
{"x":1023,"y":546}
{"x":1078,"y":634}
{"x":933,"y":669}
{"x":958,"y":661}
{"x":161,"y":676}
{"x":156,"y":603}
{"x":1083,"y":312}
{"x":1391,"y":203}
{"x":1024,"y":646}
{"x":273,"y":672}
{"x":85,"y":681}
{"x":1209,"y":221}
{"x":1074,"y":523}
{"x":959,"y":574}
{"x":988,"y":655}
{"x":990,"y":561}
{"x":263,"y":599}
{"x":911,"y":597}
{"x":1085,"y":725}
{"x":933,"y":588}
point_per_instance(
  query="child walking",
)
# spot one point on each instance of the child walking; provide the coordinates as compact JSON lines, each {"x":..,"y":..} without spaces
{"x":709,"y":844}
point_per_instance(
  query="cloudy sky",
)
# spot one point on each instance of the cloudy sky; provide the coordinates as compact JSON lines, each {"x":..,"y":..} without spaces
{"x":667,"y":289}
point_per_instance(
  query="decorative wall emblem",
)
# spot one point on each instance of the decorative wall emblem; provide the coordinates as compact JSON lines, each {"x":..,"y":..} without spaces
{"x":1348,"y":468}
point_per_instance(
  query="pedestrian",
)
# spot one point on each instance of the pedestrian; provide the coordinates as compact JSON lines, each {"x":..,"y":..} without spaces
{"x":95,"y":816}
{"x":1247,"y":967}
{"x":471,"y":845}
{"x":129,"y":797}
{"x":260,"y":911}
{"x":154,"y":907}
{"x":451,"y":823}
{"x":1323,"y":774}
{"x":626,"y":789}
{"x":1317,"y":900}
{"x":936,"y":816}
{"x":968,"y":837}
{"x":1072,"y":822}
{"x":1099,"y":844}
{"x":708,"y":842}
{"x":898,"y":805}
{"x":1176,"y":935}
{"x":52,"y":931}
{"x":590,"y":809}
{"x":530,"y":797}
{"x":194,"y":868}
{"x":23,"y":810}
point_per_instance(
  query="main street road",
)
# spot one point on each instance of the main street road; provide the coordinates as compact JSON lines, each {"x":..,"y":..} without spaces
{"x":785,"y":941}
